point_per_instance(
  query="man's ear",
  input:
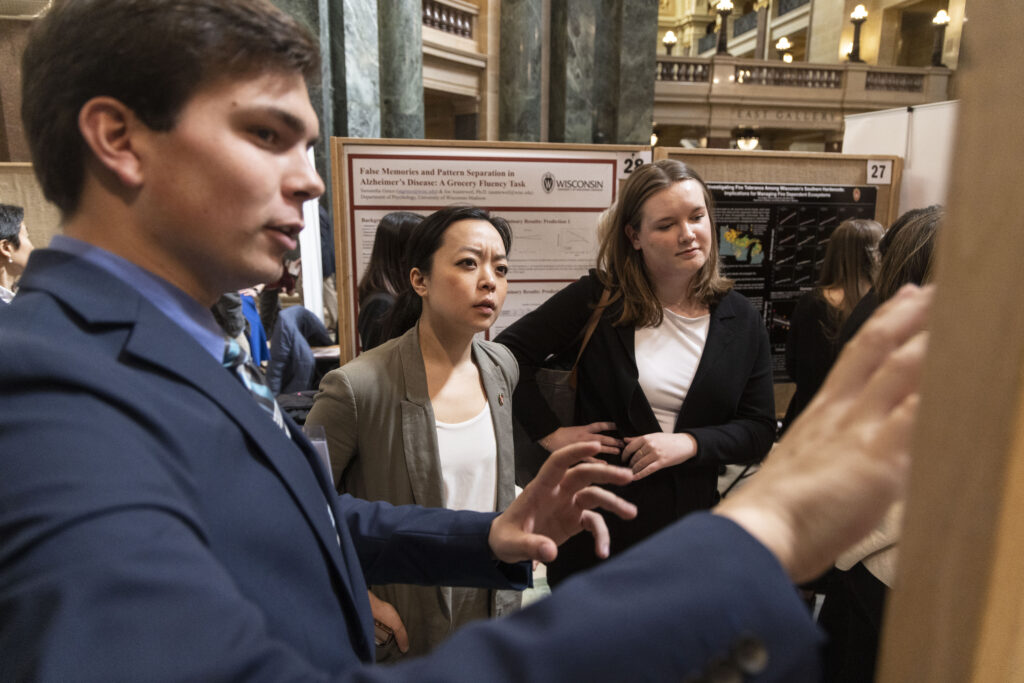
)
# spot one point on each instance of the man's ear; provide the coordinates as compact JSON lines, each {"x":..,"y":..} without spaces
{"x":634,"y":236}
{"x":109,"y":128}
{"x":418,"y":280}
{"x":6,"y":250}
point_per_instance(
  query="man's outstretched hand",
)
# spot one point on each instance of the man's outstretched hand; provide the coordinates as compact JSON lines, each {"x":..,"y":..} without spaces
{"x":830,"y":480}
{"x":560,"y":503}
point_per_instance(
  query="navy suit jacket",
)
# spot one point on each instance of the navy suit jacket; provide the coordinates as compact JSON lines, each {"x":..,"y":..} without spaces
{"x":156,"y":525}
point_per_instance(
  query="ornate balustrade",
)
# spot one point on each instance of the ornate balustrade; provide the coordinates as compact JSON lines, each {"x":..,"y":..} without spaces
{"x":894,"y":81}
{"x":789,"y":76}
{"x":786,"y":6}
{"x":722,"y":91}
{"x":742,"y":24}
{"x":684,"y":70}
{"x":707,"y":42}
{"x":446,"y":18}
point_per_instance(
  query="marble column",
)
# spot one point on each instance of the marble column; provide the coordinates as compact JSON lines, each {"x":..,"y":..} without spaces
{"x":312,"y":13}
{"x":400,"y":23}
{"x":519,"y":89}
{"x":762,"y":49}
{"x":625,"y":59}
{"x":355,"y":68}
{"x":346,"y":98}
{"x":606,"y":70}
{"x":638,"y":48}
{"x":571,"y":101}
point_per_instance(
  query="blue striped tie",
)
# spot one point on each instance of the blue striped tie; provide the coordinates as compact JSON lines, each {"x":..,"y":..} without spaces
{"x":237,"y":360}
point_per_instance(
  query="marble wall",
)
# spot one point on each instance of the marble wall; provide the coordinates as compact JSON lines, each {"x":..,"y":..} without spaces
{"x":519,"y":87}
{"x":571,"y":109}
{"x":355,"y":67}
{"x":638,"y":54}
{"x":624,"y":63}
{"x":401,"y":68}
{"x":347,"y":98}
{"x":606,"y":70}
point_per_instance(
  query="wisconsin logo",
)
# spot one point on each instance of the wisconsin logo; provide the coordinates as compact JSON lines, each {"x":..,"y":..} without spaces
{"x":548,"y":182}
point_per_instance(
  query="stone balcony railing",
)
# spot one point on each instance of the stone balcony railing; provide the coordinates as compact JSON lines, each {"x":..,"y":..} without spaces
{"x":786,"y":6}
{"x":744,"y":23}
{"x":701,"y":90}
{"x":445,"y":17}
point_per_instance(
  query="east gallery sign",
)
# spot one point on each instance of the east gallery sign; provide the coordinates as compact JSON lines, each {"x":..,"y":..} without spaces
{"x":798,"y":116}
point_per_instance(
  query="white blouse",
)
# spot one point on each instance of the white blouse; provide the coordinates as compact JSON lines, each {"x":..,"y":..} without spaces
{"x":667,"y":357}
{"x":469,"y":462}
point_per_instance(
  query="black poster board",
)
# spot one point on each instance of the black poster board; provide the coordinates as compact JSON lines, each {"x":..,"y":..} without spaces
{"x":772,"y":239}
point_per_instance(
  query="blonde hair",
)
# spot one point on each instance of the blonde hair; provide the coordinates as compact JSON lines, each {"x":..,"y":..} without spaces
{"x":620,"y":267}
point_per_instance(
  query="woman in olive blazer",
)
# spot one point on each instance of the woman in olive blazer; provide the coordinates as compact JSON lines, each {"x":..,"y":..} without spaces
{"x":381,"y":411}
{"x":381,"y":435}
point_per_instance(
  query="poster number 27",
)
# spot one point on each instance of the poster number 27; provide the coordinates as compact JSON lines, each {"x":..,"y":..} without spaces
{"x":879,"y":172}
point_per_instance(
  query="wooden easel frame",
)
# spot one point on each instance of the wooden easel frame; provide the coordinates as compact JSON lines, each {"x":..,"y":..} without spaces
{"x":957,"y":613}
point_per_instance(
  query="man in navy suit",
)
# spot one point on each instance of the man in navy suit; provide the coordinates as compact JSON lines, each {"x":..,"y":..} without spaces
{"x":157,"y":523}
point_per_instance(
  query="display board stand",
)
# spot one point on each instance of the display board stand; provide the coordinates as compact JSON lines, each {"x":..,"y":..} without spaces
{"x":551,"y":194}
{"x":775,"y":212}
{"x":957,"y":612}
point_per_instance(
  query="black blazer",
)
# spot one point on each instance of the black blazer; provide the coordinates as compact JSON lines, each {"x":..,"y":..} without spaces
{"x":729,"y":409}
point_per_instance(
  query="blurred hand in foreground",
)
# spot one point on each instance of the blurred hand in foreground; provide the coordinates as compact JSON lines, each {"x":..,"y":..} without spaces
{"x":830,"y":480}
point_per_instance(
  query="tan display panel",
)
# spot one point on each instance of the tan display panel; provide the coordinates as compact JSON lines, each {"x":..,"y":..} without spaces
{"x":808,"y":168}
{"x":805,"y":168}
{"x":496,"y":153}
{"x":957,"y":614}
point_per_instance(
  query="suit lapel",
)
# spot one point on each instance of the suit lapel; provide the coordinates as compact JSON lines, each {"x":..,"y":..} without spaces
{"x":419,"y":435}
{"x":102,"y":299}
{"x":641,"y":416}
{"x":498,"y":393}
{"x":160,"y":342}
{"x":419,"y":439}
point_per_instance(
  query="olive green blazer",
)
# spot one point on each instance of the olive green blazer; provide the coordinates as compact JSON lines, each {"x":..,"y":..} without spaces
{"x":382,"y":439}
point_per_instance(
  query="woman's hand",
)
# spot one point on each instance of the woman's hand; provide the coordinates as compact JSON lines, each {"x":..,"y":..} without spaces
{"x":564,"y":436}
{"x":386,"y":614}
{"x":652,"y":452}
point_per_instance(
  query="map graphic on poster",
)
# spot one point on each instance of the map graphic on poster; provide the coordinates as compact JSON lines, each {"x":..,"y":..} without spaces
{"x":772,"y":240}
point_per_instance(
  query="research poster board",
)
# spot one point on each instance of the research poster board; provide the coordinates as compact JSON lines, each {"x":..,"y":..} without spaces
{"x":775,"y":212}
{"x":772,"y":240}
{"x":551,"y":195}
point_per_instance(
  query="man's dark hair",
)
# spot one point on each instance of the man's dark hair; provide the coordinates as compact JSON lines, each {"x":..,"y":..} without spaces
{"x":151,"y":55}
{"x":11,"y":218}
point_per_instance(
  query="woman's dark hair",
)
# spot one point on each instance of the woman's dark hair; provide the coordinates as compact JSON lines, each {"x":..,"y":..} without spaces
{"x":424,"y":242}
{"x":386,"y":271}
{"x":621,"y":268}
{"x":11,"y":218}
{"x":851,"y":262}
{"x":152,"y":56}
{"x":908,"y":258}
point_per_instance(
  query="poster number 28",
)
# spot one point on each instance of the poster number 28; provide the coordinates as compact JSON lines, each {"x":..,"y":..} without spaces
{"x":632,"y":161}
{"x":632,"y":164}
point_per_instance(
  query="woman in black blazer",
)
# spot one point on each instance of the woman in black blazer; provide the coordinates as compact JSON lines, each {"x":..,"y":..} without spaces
{"x":698,"y":395}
